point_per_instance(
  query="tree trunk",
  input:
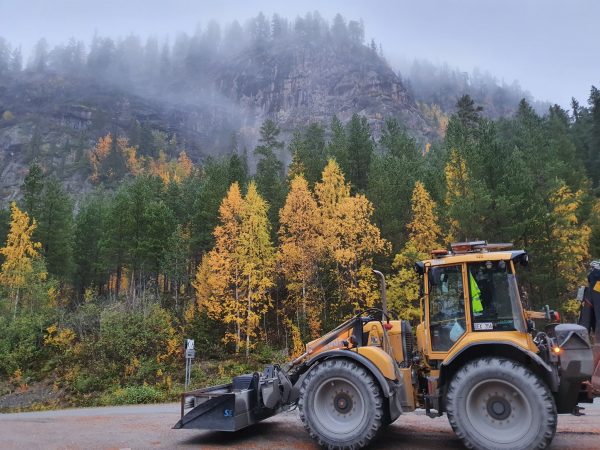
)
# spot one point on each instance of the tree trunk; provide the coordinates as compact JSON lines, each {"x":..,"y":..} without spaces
{"x":248,"y":322}
{"x":16,"y":304}
{"x":237,"y":314}
{"x":118,"y":280}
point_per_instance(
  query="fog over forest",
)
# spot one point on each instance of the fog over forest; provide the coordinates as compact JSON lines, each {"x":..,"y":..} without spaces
{"x":545,"y":45}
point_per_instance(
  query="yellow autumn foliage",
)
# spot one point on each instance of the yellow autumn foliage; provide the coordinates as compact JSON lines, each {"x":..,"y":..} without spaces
{"x":350,"y":239}
{"x":234,"y":278}
{"x":301,"y":249}
{"x":20,"y":254}
{"x":570,"y":239}
{"x":424,"y":235}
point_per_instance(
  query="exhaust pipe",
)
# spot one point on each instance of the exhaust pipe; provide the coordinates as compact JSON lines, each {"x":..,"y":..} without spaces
{"x":383,"y":292}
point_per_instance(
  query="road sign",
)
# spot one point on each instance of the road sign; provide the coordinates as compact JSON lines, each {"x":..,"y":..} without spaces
{"x":190,"y":354}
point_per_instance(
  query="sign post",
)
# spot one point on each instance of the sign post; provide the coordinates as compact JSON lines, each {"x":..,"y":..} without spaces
{"x":190,"y":354}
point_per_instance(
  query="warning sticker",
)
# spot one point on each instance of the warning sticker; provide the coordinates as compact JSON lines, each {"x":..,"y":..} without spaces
{"x":597,"y":286}
{"x":483,"y":326}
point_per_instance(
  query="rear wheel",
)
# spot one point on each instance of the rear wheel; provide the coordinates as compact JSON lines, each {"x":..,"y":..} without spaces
{"x":341,"y":405}
{"x":495,"y":403}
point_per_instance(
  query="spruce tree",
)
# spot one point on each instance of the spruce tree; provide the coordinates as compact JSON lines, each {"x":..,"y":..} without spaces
{"x":269,"y":170}
{"x":89,"y":229}
{"x":360,"y":152}
{"x":55,"y":230}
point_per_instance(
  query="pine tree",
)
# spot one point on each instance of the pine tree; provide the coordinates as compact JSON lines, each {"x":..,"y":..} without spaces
{"x":300,"y":253}
{"x":593,"y":160}
{"x":89,"y":230}
{"x":309,"y":149}
{"x":466,"y":200}
{"x":337,"y":148}
{"x":467,"y":112}
{"x":33,"y":188}
{"x":295,"y":169}
{"x":360,"y":152}
{"x":116,"y":241}
{"x":114,"y":166}
{"x":594,"y":223}
{"x":238,"y":169}
{"x":20,"y":254}
{"x":55,"y":230}
{"x":205,"y":198}
{"x":175,"y":261}
{"x":391,"y":179}
{"x":269,"y":169}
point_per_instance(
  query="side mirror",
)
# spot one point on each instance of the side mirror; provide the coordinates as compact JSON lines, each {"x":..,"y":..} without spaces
{"x":524,"y":260}
{"x":420,"y":268}
{"x":435,"y":273}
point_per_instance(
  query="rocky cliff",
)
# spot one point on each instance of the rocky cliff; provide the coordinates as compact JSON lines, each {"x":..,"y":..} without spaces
{"x":54,"y":113}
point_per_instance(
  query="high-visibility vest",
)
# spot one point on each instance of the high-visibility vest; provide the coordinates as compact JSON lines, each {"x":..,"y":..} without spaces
{"x":475,"y":296}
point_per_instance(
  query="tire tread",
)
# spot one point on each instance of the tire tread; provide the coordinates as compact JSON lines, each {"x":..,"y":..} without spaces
{"x":538,"y":385}
{"x":350,"y":366}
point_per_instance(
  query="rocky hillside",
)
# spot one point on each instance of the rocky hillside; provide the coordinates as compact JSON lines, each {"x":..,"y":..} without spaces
{"x":199,"y":94}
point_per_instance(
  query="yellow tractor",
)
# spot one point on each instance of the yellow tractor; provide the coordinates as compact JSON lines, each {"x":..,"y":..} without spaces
{"x":474,"y":355}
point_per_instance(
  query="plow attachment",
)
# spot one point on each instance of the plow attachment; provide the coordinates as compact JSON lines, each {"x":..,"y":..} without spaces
{"x":247,"y":400}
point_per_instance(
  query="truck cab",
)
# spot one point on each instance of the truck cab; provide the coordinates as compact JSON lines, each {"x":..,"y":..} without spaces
{"x":472,"y":307}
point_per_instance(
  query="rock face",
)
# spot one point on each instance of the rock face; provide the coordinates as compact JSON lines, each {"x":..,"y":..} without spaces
{"x":56,"y":118}
{"x":298,"y":85}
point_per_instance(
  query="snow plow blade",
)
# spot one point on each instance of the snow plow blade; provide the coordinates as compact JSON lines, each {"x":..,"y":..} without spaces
{"x":233,"y":406}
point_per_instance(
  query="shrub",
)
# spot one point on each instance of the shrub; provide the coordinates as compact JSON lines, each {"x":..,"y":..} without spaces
{"x":132,"y":395}
{"x":21,"y":343}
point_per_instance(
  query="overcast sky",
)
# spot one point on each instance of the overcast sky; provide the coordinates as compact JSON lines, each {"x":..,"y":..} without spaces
{"x":550,"y":46}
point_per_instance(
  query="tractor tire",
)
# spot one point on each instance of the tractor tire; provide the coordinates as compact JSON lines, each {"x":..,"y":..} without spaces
{"x":499,"y":404}
{"x":341,"y":405}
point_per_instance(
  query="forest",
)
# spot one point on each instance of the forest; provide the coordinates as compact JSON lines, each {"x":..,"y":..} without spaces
{"x":98,"y":296}
{"x":249,"y":255}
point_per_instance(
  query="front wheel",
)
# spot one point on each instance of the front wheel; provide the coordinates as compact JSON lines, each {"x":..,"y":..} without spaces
{"x":341,"y":405}
{"x":495,"y":403}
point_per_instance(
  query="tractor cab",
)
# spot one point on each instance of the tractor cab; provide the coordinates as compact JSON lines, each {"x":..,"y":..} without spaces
{"x":471,"y":289}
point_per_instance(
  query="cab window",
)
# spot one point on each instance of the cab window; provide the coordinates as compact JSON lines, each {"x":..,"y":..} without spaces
{"x":446,"y":307}
{"x":494,"y":297}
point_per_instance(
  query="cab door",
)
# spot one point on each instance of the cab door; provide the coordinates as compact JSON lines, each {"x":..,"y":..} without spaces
{"x":446,"y":314}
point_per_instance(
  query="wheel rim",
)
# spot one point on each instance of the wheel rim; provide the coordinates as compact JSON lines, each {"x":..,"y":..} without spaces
{"x":339,"y":407}
{"x":499,"y":411}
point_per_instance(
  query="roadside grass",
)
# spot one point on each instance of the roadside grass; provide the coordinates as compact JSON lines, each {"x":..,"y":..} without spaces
{"x":204,"y":373}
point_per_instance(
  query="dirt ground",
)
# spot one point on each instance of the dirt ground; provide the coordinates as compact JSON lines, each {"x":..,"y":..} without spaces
{"x":149,"y":426}
{"x":39,"y":393}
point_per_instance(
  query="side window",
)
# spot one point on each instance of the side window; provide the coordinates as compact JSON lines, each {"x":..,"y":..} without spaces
{"x":494,"y":297}
{"x":446,"y":307}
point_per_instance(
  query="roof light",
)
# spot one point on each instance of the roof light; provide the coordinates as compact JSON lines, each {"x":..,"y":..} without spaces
{"x":438,"y":253}
{"x":477,"y":246}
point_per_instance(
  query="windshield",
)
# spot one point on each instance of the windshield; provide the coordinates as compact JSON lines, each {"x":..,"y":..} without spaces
{"x":494,"y":297}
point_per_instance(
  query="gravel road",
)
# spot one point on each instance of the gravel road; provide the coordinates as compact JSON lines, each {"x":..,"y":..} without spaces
{"x":149,"y":426}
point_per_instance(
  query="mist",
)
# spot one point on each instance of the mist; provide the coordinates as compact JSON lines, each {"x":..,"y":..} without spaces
{"x":547,"y":46}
